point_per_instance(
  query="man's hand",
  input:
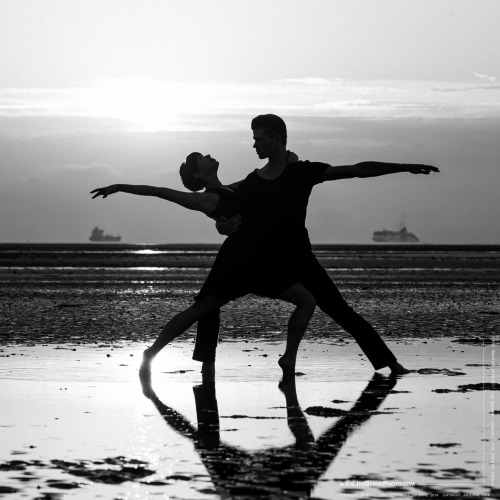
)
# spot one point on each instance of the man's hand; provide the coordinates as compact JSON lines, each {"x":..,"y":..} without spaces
{"x":229,"y":226}
{"x":104,"y":191}
{"x":421,"y":169}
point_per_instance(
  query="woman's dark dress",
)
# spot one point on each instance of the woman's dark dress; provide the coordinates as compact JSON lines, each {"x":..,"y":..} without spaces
{"x":241,"y":266}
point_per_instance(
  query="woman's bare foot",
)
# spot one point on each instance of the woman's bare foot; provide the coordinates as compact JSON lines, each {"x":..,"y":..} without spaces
{"x":398,"y":369}
{"x":145,"y":367}
{"x":287,"y":365}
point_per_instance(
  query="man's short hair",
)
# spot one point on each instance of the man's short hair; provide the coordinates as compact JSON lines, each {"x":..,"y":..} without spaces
{"x":187,"y":171}
{"x":273,"y":125}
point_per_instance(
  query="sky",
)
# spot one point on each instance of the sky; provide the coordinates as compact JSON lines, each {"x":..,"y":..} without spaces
{"x":97,"y":92}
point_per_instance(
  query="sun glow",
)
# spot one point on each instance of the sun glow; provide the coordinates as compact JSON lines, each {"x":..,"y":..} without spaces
{"x":145,"y":104}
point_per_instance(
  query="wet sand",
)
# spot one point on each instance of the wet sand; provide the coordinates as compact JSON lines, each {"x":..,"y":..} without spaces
{"x":76,"y":424}
{"x":75,"y":421}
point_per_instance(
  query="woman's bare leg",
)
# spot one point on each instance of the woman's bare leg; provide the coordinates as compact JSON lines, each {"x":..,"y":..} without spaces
{"x":177,"y":326}
{"x":297,"y":324}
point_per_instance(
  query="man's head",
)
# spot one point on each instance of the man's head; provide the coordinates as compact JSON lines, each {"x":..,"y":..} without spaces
{"x":269,"y":133}
{"x":193,"y":171}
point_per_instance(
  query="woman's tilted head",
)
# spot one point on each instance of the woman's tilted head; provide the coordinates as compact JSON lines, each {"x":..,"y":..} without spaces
{"x":190,"y":173}
{"x":196,"y":169}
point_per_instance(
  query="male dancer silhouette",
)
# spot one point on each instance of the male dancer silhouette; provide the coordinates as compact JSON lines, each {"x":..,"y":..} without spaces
{"x":282,"y":232}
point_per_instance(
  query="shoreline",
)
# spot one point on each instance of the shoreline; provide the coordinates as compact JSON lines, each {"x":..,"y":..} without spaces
{"x":215,"y":246}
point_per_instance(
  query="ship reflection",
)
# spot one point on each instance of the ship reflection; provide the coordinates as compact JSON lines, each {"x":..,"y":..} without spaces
{"x":288,"y":472}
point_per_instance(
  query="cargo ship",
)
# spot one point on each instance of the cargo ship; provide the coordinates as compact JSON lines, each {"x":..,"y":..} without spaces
{"x":98,"y":235}
{"x":402,"y":236}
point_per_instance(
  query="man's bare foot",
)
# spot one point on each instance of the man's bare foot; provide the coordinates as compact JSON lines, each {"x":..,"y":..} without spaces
{"x":288,"y":366}
{"x":398,"y":369}
{"x":208,"y":369}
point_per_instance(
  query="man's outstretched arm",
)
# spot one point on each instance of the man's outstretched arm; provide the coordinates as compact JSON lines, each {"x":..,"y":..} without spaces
{"x":375,"y":169}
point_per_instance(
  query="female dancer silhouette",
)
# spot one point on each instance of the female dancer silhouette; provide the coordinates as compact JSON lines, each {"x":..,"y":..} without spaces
{"x":240,"y":268}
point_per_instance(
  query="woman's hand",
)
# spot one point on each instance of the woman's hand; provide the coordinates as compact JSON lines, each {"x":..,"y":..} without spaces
{"x":105,"y":191}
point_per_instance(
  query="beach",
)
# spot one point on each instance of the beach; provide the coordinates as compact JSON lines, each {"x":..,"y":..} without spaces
{"x":76,"y":422}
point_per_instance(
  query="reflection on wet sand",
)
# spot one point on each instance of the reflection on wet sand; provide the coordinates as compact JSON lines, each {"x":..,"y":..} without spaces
{"x":294,"y":469}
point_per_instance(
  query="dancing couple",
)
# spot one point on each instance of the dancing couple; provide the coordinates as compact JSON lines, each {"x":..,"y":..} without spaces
{"x":268,"y":251}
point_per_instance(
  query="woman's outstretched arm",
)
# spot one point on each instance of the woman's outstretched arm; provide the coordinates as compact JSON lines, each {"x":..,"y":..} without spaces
{"x":201,"y":202}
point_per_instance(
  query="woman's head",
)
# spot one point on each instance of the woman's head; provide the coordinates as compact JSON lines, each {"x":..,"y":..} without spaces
{"x":194,"y":170}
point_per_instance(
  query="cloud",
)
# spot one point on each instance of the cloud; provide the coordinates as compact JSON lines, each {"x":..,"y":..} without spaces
{"x":79,"y":170}
{"x":489,"y":78}
{"x":482,"y":88}
{"x":147,"y":105}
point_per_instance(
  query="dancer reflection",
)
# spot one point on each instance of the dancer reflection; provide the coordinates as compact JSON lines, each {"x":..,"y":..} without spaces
{"x":295,"y":468}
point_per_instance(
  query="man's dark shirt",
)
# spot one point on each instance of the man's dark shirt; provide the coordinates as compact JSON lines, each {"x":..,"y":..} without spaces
{"x":274,"y":211}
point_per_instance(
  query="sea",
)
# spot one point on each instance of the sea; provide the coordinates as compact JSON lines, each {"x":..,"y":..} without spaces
{"x":103,"y":292}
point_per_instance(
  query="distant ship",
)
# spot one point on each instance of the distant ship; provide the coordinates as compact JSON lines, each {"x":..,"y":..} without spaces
{"x":98,"y":235}
{"x":402,"y":236}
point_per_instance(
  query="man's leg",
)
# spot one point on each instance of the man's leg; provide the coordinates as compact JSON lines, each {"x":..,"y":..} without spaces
{"x":219,"y":278}
{"x":207,"y":336}
{"x":178,"y":325}
{"x":330,"y":301}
